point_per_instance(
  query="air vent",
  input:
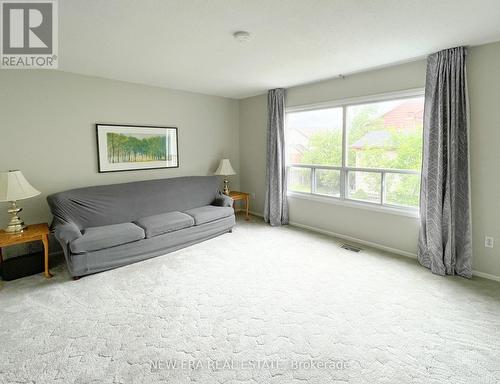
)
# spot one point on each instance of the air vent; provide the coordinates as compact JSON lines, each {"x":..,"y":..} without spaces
{"x":350,"y":247}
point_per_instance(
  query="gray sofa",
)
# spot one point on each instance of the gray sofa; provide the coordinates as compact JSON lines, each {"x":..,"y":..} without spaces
{"x":109,"y":226}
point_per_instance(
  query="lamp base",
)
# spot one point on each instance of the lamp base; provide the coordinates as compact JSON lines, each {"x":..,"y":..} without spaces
{"x":226,"y":186}
{"x":16,"y":225}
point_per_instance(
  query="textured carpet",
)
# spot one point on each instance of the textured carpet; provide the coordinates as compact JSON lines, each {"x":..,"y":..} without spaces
{"x":260,"y":305}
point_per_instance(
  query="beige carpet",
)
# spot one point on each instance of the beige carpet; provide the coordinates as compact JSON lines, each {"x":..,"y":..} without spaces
{"x":260,"y":305}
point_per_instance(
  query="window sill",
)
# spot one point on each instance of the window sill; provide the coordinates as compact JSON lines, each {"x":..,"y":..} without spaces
{"x":413,"y":213}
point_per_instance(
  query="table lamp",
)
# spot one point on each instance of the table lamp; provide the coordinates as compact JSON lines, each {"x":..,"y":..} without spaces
{"x":225,"y":170}
{"x":13,"y":187}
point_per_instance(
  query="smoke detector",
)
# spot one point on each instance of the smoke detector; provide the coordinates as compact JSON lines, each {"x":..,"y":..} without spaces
{"x":242,"y":36}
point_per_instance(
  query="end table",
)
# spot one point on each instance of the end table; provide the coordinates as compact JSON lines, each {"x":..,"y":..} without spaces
{"x":236,"y":195}
{"x":31,"y":233}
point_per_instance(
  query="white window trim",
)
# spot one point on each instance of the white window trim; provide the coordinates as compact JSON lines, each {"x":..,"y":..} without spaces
{"x":400,"y":211}
{"x":343,"y":199}
{"x":388,"y":96}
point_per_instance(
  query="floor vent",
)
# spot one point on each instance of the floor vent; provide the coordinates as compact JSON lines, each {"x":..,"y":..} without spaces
{"x":350,"y":247}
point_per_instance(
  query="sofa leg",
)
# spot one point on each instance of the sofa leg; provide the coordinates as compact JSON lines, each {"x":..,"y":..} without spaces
{"x":230,"y":231}
{"x":76,"y":278}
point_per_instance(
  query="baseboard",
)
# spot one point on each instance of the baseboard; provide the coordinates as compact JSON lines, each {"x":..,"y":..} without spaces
{"x":380,"y":246}
{"x":347,"y":238}
{"x":256,"y":214}
{"x":486,"y":276}
{"x":355,"y":240}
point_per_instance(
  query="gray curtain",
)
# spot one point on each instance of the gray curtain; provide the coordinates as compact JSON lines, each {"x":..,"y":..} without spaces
{"x":276,"y":209}
{"x":445,"y":233}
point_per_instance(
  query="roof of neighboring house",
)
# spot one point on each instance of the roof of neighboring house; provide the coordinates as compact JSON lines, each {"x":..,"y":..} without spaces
{"x":410,"y":110}
{"x":375,"y":139}
{"x":400,"y":117}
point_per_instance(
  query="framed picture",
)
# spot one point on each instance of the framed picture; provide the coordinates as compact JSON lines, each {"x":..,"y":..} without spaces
{"x":134,"y":147}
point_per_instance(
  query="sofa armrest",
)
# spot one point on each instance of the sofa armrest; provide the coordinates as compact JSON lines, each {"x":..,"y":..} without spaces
{"x":222,"y":200}
{"x":66,"y":233}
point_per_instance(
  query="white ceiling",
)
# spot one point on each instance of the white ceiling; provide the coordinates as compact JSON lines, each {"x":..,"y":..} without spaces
{"x":188,"y":44}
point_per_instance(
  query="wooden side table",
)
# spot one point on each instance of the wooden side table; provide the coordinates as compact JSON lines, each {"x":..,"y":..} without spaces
{"x":31,"y":233}
{"x":235,"y":195}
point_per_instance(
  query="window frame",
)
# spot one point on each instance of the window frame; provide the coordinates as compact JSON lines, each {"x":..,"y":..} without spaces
{"x":344,"y":169}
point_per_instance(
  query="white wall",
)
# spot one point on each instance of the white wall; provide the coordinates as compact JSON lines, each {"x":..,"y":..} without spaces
{"x":385,"y":229}
{"x":47,"y":130}
{"x":484,"y":94}
{"x":252,"y":124}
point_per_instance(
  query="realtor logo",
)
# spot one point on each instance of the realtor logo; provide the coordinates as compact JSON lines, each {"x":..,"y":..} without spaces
{"x":29,"y":34}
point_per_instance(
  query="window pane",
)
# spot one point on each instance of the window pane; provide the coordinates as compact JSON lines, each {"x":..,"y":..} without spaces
{"x":327,"y":182}
{"x":314,"y":137}
{"x":385,"y":134}
{"x":364,"y":186}
{"x":299,"y":179}
{"x":402,"y":189}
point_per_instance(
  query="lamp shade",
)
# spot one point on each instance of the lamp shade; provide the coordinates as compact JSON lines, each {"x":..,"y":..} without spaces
{"x":13,"y":187}
{"x":225,"y":168}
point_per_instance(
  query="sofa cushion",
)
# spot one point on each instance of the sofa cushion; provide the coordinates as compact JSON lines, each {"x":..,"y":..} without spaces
{"x":96,"y":238}
{"x":208,"y":213}
{"x":165,"y":222}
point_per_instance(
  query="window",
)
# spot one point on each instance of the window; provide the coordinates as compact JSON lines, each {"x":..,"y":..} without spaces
{"x":369,"y":151}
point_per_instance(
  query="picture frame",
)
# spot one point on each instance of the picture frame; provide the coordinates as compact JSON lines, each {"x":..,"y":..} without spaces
{"x":123,"y":147}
